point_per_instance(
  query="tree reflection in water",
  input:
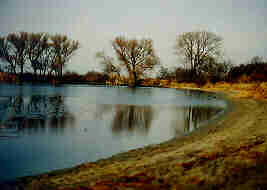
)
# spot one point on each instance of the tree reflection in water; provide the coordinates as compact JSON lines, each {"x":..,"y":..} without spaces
{"x":193,"y":116}
{"x":138,"y":118}
{"x":35,"y":113}
{"x":132,"y":118}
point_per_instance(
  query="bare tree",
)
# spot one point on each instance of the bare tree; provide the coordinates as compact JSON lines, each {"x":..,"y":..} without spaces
{"x":46,"y":59}
{"x":64,"y":48}
{"x":37,"y":45}
{"x":195,"y":47}
{"x":108,"y":63}
{"x":137,"y":56}
{"x":7,"y":55}
{"x":215,"y":70}
{"x":257,"y":60}
{"x":19,"y":50}
{"x":36,"y":51}
{"x":163,"y":72}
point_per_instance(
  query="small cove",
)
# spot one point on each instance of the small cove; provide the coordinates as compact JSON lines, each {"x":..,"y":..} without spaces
{"x":44,"y":128}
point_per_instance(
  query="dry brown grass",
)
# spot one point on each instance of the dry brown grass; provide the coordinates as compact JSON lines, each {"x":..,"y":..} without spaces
{"x":257,"y":90}
{"x":245,"y":90}
{"x":4,"y":77}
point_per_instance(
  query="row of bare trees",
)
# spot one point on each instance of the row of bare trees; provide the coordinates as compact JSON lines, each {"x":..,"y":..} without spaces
{"x":201,"y":53}
{"x":46,"y":55}
{"x":40,"y":53}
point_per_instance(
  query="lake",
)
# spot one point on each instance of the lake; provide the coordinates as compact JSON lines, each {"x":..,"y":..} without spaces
{"x":43,"y":128}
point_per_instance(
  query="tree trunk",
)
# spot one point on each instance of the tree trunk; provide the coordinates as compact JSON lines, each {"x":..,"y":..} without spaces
{"x":61,"y":70}
{"x":135,"y":79}
{"x":21,"y":75}
{"x":35,"y":74}
{"x":13,"y":70}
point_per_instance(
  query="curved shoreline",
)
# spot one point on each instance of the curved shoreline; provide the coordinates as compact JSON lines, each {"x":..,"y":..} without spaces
{"x":224,"y":155}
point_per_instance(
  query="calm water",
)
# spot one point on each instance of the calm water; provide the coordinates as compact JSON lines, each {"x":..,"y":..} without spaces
{"x":44,"y":128}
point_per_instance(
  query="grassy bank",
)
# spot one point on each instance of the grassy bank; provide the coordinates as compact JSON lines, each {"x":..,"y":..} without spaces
{"x":228,"y":154}
{"x":255,"y":90}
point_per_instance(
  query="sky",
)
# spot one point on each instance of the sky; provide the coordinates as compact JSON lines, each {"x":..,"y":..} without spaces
{"x":95,"y":23}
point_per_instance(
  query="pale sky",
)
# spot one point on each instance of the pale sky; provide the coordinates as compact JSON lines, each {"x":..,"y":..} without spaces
{"x":95,"y":23}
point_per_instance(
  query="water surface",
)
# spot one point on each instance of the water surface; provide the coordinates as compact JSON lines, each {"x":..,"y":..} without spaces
{"x":43,"y":128}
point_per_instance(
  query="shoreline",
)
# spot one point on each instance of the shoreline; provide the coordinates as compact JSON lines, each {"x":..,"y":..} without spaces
{"x":220,"y":155}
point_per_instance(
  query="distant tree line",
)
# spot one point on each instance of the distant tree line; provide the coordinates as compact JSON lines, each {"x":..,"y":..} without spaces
{"x":91,"y":77}
{"x":200,"y":53}
{"x":255,"y":70}
{"x":42,"y":54}
{"x":226,"y":71}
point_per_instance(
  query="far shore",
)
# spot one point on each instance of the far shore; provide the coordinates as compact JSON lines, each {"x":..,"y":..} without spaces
{"x":230,"y":153}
